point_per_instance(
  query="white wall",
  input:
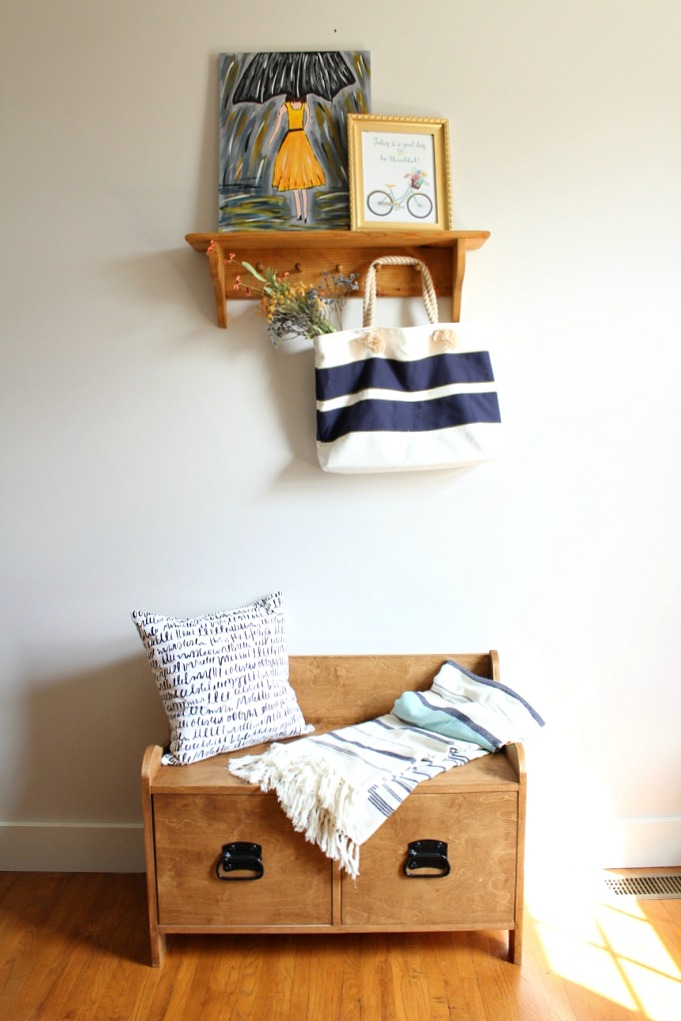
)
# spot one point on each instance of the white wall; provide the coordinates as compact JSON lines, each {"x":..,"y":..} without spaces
{"x":151,"y":460}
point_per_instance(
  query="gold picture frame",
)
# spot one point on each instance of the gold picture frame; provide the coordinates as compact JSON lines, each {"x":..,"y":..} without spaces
{"x":399,"y":173}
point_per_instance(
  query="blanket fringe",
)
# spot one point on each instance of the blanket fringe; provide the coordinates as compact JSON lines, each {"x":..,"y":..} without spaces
{"x":317,"y":800}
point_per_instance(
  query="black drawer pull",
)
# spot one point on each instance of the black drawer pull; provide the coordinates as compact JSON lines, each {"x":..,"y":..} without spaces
{"x":241,"y":856}
{"x":426,"y":854}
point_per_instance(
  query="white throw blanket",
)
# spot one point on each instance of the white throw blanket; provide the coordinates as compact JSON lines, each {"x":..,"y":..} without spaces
{"x":337,"y":788}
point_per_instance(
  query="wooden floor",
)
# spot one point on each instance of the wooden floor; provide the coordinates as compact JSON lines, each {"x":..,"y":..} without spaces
{"x":74,"y":947}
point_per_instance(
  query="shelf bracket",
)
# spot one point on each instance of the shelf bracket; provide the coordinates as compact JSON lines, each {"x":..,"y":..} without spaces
{"x":217,"y":271}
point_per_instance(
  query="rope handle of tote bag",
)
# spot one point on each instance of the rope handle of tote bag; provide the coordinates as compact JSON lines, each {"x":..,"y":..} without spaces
{"x":429,"y":296}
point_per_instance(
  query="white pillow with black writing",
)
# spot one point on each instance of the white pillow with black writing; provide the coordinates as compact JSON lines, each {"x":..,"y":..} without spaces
{"x":223,"y":679}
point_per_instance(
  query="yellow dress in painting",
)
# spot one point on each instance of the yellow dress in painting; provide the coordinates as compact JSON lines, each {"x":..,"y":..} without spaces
{"x":296,"y":165}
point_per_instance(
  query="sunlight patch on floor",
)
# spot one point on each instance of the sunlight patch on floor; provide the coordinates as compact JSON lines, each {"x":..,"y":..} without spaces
{"x":585,"y":964}
{"x":609,"y":949}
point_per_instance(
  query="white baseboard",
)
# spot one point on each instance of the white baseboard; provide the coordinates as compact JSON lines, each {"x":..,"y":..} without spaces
{"x":71,"y":847}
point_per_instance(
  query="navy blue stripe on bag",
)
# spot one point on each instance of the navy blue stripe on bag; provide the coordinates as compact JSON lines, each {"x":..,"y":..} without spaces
{"x":410,"y":377}
{"x":407,"y":416}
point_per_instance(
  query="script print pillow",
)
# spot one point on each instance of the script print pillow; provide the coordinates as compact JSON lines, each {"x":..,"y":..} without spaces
{"x":223,"y":679}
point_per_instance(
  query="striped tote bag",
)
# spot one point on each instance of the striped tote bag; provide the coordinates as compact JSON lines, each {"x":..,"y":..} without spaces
{"x":404,"y":399}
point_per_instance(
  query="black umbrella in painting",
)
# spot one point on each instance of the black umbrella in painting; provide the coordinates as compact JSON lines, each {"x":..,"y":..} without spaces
{"x":298,"y":75}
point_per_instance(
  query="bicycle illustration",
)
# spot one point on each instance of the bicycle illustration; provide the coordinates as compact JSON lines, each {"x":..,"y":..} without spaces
{"x":417,"y":203}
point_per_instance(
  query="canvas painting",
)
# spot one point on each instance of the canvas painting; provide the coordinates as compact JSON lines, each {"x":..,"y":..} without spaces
{"x":283,"y":138}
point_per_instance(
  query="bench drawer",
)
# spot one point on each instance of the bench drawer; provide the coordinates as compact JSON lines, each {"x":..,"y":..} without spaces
{"x":481,"y":833}
{"x":190,"y":831}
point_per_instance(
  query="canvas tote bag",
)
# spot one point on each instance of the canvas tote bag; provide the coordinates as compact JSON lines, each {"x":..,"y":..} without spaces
{"x":404,"y":399}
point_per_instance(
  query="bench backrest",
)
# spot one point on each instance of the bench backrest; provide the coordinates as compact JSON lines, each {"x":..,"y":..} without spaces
{"x":350,"y":689}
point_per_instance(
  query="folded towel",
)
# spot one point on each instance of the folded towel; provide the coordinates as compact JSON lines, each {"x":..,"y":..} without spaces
{"x":464,"y":706}
{"x":338,"y":788}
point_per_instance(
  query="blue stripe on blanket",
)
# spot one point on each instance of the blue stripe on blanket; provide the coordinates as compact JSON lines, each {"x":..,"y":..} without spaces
{"x":500,"y":687}
{"x":407,"y":416}
{"x":466,"y":724}
{"x":383,"y":807}
{"x":405,"y":786}
{"x":382,"y":721}
{"x":411,"y":377}
{"x":415,"y":708}
{"x":358,"y":744}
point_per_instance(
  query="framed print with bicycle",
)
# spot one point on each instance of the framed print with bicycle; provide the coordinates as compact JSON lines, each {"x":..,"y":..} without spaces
{"x":399,"y":173}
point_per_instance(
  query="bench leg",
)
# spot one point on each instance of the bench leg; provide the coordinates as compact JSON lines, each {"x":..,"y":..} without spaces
{"x":157,"y":942}
{"x":515,"y":945}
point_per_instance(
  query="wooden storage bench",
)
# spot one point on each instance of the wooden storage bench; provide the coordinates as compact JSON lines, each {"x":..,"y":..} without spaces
{"x":478,"y":810}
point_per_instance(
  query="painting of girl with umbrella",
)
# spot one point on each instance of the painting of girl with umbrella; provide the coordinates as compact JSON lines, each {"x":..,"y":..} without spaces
{"x":283,"y":141}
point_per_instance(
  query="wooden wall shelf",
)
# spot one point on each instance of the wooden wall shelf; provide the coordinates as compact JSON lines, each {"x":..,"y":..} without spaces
{"x":307,"y":253}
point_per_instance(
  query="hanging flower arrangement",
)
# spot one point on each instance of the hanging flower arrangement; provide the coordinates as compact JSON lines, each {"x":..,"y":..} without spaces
{"x":292,"y":308}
